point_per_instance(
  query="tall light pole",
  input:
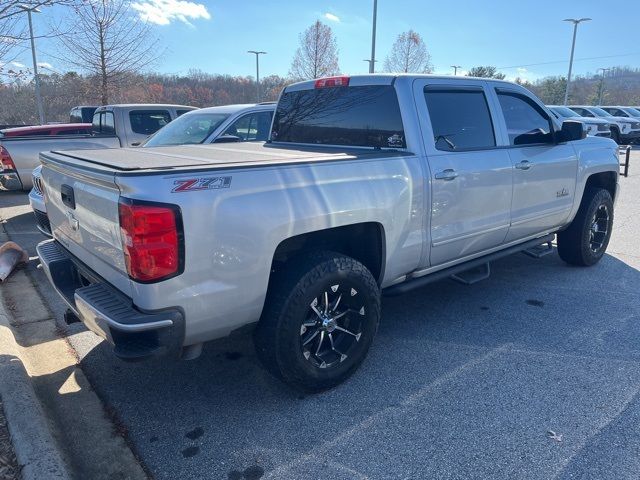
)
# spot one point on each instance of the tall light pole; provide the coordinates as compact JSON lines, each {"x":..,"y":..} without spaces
{"x":455,"y":69}
{"x":257,"y":54}
{"x":368,"y":60}
{"x":603,"y":70}
{"x":372,"y":61}
{"x":575,"y":22}
{"x":28,"y":9}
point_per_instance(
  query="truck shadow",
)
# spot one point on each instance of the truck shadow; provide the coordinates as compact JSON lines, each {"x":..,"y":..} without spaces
{"x":13,"y":199}
{"x":225,"y":411}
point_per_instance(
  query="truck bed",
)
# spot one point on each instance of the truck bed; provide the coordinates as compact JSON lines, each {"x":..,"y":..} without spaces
{"x":222,"y":156}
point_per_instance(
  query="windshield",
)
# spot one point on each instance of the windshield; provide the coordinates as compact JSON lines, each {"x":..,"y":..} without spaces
{"x":187,"y":129}
{"x":564,"y":111}
{"x":600,"y":112}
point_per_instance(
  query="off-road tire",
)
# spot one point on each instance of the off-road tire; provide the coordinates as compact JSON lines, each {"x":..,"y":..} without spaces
{"x":292,"y":291}
{"x":574,"y":243}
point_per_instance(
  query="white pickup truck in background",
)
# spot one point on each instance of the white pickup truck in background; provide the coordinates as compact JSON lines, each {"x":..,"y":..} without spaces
{"x":113,"y":126}
{"x":368,"y":183}
{"x":221,"y":124}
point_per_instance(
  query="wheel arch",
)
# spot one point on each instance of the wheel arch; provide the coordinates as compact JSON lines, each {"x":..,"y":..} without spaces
{"x":606,"y":180}
{"x":364,"y":242}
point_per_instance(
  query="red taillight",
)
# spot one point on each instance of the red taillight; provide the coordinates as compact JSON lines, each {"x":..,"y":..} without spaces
{"x":151,"y":240}
{"x":332,"y":82}
{"x":6,"y":160}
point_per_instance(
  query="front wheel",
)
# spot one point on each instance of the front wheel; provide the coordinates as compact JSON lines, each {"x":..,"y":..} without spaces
{"x":615,"y":135}
{"x":321,"y":316}
{"x":587,"y":237}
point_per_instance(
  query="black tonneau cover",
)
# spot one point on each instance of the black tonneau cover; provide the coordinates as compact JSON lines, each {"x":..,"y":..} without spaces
{"x":222,"y":155}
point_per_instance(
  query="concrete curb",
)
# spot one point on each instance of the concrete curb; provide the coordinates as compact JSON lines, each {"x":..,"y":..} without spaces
{"x":35,"y":448}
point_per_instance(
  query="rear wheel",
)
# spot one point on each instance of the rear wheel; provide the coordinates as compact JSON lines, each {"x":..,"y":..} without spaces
{"x":587,"y":237}
{"x":321,"y":316}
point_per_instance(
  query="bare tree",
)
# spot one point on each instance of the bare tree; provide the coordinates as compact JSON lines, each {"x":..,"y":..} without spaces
{"x":409,"y":54}
{"x":13,"y":29}
{"x":11,"y":8}
{"x":317,"y":55}
{"x":108,"y":40}
{"x":11,"y":34}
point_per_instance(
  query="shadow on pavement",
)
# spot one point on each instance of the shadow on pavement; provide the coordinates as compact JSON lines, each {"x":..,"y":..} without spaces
{"x":13,"y":199}
{"x":465,"y":380}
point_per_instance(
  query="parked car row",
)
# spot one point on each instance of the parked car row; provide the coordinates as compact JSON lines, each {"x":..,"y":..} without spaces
{"x":595,"y":127}
{"x":623,"y":122}
{"x":112,"y":126}
{"x":231,"y":123}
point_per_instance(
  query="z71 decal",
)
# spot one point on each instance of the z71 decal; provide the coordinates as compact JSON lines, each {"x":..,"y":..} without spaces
{"x":205,"y":183}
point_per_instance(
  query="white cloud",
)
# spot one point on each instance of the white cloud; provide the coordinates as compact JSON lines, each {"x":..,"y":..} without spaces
{"x":163,"y":12}
{"x":332,"y":17}
{"x":18,"y":64}
{"x":522,"y":74}
{"x":9,"y":40}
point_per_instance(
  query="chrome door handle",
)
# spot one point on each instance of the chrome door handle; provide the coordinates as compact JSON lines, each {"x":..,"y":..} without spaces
{"x":524,"y":165}
{"x":447,"y":175}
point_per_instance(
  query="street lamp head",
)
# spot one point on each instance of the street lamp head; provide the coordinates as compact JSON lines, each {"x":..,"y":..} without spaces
{"x":576,"y":20}
{"x":255,"y":52}
{"x":27,"y":8}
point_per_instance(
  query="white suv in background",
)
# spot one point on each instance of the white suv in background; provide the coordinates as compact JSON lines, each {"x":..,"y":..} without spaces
{"x":596,"y":127}
{"x":624,"y":130}
{"x":626,"y":112}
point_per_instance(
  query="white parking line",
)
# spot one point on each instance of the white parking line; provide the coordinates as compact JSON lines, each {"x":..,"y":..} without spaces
{"x":411,"y":400}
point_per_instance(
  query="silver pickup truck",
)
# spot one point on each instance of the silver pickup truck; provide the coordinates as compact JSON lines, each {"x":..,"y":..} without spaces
{"x":113,"y":126}
{"x":368,"y":184}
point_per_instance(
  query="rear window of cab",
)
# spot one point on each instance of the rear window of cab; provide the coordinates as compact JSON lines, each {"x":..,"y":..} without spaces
{"x":360,"y":116}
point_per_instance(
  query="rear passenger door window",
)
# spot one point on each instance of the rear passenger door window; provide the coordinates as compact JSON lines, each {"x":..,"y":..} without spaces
{"x":583,"y":112}
{"x":460,"y":118}
{"x":109,"y":124}
{"x":103,"y":124}
{"x":252,"y":127}
{"x":527,"y":123}
{"x":147,"y":122}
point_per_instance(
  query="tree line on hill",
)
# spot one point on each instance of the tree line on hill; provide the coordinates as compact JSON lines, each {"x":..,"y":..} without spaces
{"x":62,"y":91}
{"x":105,"y":45}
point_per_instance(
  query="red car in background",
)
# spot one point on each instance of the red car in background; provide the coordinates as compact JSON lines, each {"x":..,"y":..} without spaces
{"x":53,"y":129}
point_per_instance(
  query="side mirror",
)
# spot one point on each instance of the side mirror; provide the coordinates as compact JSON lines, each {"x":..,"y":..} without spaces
{"x":227,"y":139}
{"x":572,"y":130}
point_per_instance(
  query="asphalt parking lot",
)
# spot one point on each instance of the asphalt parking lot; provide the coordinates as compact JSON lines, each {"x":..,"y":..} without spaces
{"x":533,"y":373}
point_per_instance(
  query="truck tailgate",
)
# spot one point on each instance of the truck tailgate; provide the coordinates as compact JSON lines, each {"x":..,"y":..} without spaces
{"x":82,"y":205}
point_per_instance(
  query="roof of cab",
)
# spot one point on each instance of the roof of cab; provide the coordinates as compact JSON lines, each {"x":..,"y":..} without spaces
{"x":389,"y":78}
{"x":237,"y":108}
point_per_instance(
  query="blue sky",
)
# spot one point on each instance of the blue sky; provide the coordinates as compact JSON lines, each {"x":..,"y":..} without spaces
{"x":214,"y":35}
